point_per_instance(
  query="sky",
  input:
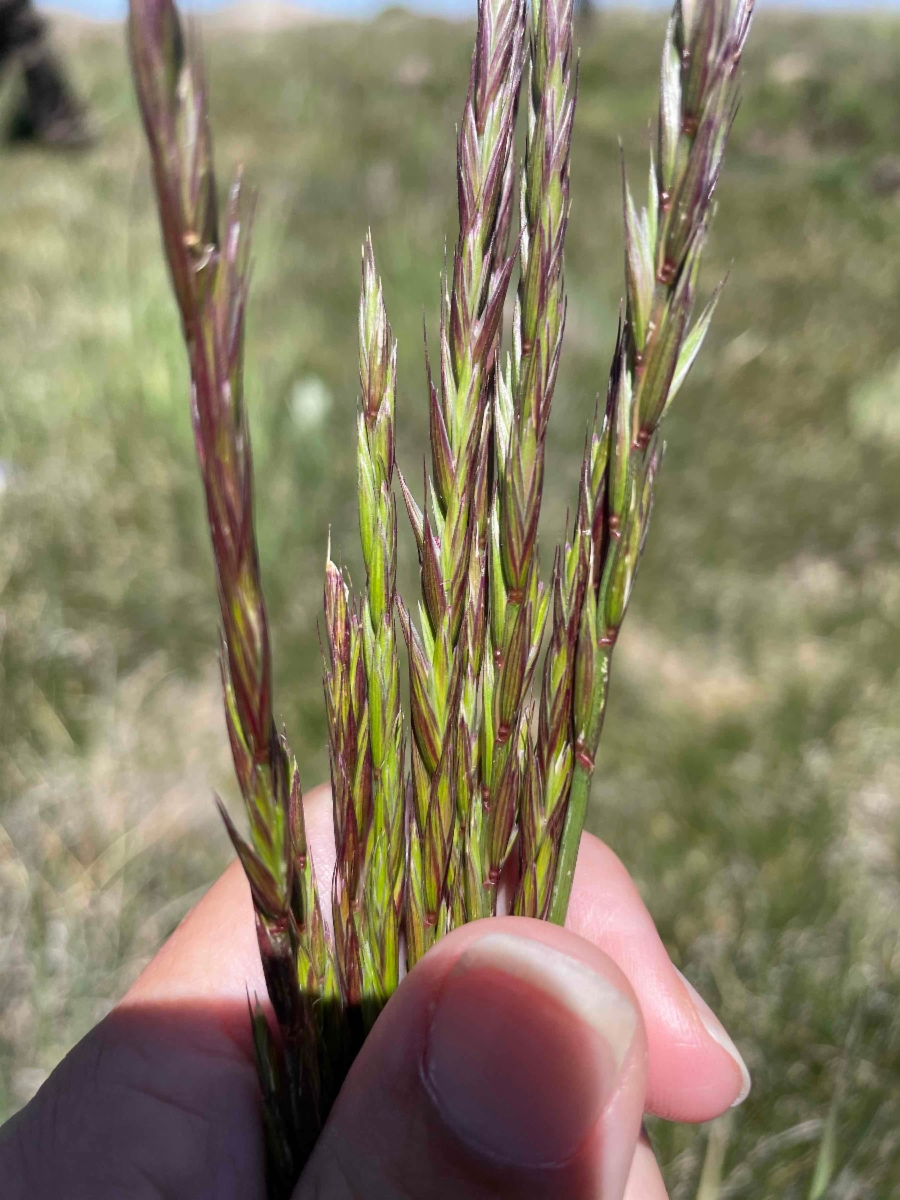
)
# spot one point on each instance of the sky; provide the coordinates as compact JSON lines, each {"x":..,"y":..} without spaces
{"x":113,"y":9}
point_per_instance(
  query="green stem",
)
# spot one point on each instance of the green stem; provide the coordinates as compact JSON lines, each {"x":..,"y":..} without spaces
{"x":571,"y":840}
{"x":580,"y":792}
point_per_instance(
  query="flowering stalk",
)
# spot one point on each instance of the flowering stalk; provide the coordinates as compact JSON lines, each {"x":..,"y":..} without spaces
{"x":385,"y":847}
{"x":208,"y":265}
{"x":445,"y":658}
{"x":362,"y":691}
{"x":654,"y":352}
{"x":347,"y":714}
{"x":518,"y":601}
{"x":543,"y":809}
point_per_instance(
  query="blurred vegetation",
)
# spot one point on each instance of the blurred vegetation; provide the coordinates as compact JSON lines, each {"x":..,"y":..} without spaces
{"x":750,"y":771}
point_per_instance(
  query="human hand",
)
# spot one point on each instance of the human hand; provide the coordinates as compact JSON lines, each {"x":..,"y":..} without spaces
{"x":516,"y":1060}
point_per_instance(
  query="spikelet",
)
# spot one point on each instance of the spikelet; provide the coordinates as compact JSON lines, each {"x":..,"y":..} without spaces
{"x":445,"y":652}
{"x":655,"y":348}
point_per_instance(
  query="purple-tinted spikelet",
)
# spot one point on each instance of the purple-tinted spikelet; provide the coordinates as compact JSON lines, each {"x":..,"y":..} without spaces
{"x":523,"y":397}
{"x":208,"y":263}
{"x":444,"y":885}
{"x":654,"y":351}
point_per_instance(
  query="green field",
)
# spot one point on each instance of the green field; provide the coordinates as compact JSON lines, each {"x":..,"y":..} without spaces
{"x":750,"y":769}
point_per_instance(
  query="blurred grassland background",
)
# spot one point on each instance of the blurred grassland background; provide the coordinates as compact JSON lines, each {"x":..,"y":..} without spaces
{"x":750,"y":770}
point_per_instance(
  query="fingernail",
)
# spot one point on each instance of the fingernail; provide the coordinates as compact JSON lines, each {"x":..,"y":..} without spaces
{"x":524,"y":1051}
{"x":716,"y":1031}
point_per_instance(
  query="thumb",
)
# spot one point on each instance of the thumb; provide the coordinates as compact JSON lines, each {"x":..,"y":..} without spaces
{"x":510,"y":1063}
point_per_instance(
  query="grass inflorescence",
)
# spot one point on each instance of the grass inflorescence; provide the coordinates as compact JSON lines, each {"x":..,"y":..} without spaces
{"x":502,"y":742}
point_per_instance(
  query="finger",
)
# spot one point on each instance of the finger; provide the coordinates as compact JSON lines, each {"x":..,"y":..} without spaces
{"x":511,"y":1063}
{"x":696,"y":1071}
{"x":645,"y":1181}
{"x":155,"y":1101}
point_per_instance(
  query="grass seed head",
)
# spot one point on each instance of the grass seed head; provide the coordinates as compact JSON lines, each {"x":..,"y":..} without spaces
{"x":452,"y":530}
{"x":655,"y":348}
{"x":421,"y":849}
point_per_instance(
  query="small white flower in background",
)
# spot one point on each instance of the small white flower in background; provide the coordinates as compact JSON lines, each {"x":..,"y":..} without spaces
{"x":310,"y":401}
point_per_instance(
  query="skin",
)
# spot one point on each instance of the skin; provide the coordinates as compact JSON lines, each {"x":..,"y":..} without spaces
{"x":516,"y":1060}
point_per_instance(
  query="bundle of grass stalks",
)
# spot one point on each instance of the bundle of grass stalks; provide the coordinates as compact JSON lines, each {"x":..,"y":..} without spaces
{"x":472,"y":803}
